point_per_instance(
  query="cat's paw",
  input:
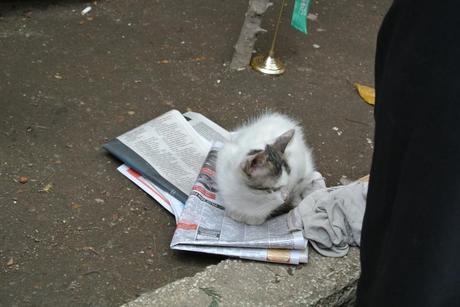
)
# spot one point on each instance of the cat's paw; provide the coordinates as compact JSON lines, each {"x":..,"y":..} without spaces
{"x":244,"y":218}
{"x":254,"y":220}
{"x":284,"y":194}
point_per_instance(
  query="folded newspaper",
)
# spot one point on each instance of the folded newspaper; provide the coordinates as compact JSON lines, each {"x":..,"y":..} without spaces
{"x":172,"y":158}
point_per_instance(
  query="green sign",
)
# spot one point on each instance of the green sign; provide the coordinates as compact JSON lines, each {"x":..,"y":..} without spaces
{"x":299,"y":15}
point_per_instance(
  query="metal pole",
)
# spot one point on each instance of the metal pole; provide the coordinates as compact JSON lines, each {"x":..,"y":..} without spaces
{"x":278,"y":22}
{"x":269,"y":64}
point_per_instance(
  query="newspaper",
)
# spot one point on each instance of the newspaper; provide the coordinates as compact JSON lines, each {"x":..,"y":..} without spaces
{"x":166,"y":200}
{"x":208,"y":132}
{"x":171,"y":146}
{"x":179,"y":149}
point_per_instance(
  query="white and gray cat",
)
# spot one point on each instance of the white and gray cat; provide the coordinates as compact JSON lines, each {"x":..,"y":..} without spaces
{"x":265,"y":167}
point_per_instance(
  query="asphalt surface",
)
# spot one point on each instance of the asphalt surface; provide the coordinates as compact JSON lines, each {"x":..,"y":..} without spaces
{"x":77,"y":233}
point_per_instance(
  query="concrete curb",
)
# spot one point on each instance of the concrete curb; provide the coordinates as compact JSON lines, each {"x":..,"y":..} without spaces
{"x":322,"y":282}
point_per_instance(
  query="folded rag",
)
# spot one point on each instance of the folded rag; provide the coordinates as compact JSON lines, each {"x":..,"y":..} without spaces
{"x":331,"y":218}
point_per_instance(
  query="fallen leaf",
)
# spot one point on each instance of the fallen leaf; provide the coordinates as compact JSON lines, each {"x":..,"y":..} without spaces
{"x":47,"y":188}
{"x":199,"y":59}
{"x":58,"y":76}
{"x":75,"y":206}
{"x":23,"y":179}
{"x":10,"y":262}
{"x":163,"y":62}
{"x":367,"y":93}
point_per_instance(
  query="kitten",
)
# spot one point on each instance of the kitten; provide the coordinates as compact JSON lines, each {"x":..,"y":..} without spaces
{"x":264,"y":167}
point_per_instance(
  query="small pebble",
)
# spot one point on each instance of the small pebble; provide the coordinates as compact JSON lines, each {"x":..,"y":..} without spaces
{"x":10,"y":262}
{"x":312,"y":17}
{"x":86,"y":10}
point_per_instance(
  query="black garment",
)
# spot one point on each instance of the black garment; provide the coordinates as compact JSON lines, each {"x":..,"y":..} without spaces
{"x":410,"y":245}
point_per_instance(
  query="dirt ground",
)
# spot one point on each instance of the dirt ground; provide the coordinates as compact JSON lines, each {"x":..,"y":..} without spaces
{"x":77,"y":233}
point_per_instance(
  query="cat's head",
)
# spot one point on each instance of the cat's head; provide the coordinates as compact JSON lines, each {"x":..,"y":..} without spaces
{"x":266,"y":169}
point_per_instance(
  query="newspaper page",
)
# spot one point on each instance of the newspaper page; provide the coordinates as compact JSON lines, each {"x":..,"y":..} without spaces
{"x":171,"y":146}
{"x":204,"y":226}
{"x":285,"y":256}
{"x":175,"y":207}
{"x":166,"y":200}
{"x":208,"y":129}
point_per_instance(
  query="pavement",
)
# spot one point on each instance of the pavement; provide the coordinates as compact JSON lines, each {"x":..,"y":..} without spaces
{"x":74,"y":232}
{"x":323,"y":282}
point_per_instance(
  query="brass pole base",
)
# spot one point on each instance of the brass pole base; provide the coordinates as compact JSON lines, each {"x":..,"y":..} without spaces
{"x":267,"y":64}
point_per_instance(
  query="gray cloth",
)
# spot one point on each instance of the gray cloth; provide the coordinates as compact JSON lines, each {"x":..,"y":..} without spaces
{"x":331,"y":218}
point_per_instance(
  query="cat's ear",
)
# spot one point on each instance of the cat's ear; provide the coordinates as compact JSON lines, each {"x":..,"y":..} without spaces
{"x":283,"y":140}
{"x":253,"y":162}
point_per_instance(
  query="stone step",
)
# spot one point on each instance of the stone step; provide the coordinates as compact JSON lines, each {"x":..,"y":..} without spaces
{"x":322,"y":282}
